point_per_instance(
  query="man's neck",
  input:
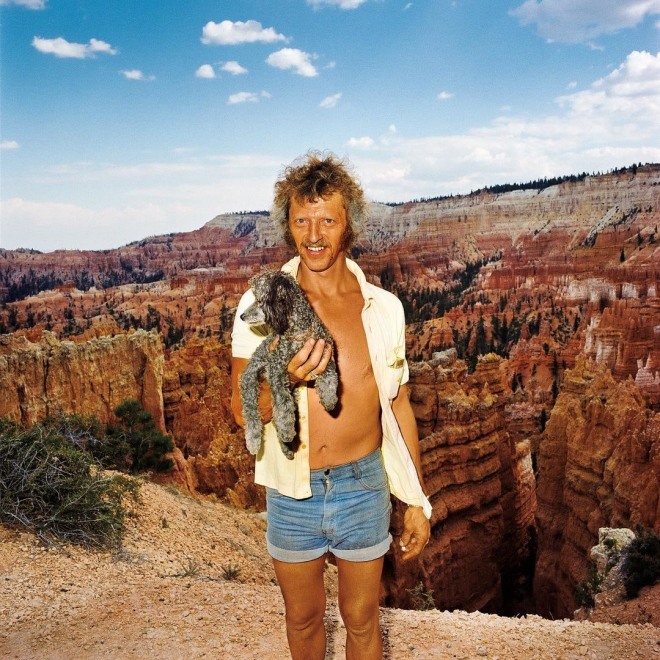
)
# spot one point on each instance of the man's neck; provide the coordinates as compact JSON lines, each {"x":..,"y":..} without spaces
{"x":334,"y":281}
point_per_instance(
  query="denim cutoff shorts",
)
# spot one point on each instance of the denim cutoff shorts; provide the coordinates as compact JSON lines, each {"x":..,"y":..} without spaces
{"x":348,"y":515}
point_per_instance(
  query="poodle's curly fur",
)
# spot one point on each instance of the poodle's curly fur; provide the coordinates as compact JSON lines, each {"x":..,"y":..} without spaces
{"x":281,"y":304}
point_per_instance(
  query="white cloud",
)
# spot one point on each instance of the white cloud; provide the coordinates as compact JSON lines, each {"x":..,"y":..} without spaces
{"x":234,"y":68}
{"x":579,"y":21}
{"x":408,"y":6}
{"x":247,"y":97}
{"x":243,"y":97}
{"x":342,"y":4}
{"x":445,"y":96}
{"x":136,"y":74}
{"x":53,"y":225}
{"x":180,"y":198}
{"x":633,"y":89}
{"x":62,"y":48}
{"x":229,"y":33}
{"x":331,"y":101}
{"x":28,"y":4}
{"x":292,"y":58}
{"x":361,"y":143}
{"x":614,"y":122}
{"x":9,"y":144}
{"x":205,"y":71}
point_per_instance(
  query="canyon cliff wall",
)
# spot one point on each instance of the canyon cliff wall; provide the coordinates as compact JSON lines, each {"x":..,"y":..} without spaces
{"x":480,"y":483}
{"x":599,"y":466}
{"x":42,"y":378}
{"x":196,"y":393}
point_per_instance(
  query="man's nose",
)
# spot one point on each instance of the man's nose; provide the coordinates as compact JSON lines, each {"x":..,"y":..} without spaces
{"x":314,"y":231}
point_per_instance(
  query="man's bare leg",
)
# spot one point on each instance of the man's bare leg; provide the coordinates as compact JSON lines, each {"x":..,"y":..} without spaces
{"x":304,"y":601}
{"x":359,"y":590}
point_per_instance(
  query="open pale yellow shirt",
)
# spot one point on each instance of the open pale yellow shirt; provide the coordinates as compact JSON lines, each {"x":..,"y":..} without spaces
{"x":384,"y":326}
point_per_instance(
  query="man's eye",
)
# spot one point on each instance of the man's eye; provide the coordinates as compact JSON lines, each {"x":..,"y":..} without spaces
{"x":329,"y":221}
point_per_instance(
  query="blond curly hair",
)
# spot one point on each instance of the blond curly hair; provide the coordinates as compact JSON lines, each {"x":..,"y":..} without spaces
{"x":314,"y":176}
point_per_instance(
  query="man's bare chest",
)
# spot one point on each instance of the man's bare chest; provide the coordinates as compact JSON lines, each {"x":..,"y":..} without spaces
{"x":344,"y":321}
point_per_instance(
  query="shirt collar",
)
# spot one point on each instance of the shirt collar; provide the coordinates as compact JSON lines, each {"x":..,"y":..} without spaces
{"x":292,"y":266}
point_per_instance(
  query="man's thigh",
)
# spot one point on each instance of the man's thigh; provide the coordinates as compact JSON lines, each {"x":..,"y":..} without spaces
{"x":302,"y":587}
{"x":359,"y":588}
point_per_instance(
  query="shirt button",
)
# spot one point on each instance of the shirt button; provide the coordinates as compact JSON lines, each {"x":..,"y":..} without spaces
{"x":303,"y":446}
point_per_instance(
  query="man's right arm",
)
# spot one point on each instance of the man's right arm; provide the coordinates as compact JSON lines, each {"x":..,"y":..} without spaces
{"x":265,"y":400}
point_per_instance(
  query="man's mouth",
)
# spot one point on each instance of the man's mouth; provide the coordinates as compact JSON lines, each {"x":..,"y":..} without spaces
{"x":315,"y":248}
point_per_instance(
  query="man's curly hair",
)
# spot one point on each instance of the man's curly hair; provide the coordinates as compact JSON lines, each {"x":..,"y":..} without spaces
{"x":316,"y":176}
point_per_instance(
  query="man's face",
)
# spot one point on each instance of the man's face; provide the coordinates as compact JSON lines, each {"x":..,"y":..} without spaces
{"x":319,"y":230}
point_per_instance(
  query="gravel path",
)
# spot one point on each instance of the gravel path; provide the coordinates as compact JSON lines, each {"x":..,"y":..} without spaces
{"x":193,"y":581}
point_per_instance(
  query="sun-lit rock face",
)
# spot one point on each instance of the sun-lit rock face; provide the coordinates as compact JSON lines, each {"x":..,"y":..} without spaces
{"x":41,"y":378}
{"x":196,"y":388}
{"x":480,"y":482}
{"x":599,"y":466}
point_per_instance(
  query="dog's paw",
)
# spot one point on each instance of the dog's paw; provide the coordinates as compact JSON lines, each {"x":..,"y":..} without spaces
{"x":286,"y":450}
{"x":329,"y":401}
{"x":253,"y":441}
{"x":326,"y":388}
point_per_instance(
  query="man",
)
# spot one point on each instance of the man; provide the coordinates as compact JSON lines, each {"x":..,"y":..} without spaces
{"x":334,"y":495}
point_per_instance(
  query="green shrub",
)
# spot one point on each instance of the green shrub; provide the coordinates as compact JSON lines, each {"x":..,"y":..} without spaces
{"x":231,"y":572}
{"x":421,"y":597}
{"x":587,"y":589}
{"x":135,"y":443}
{"x":641,"y":565}
{"x":82,"y":431}
{"x":49,"y":485}
{"x":189,"y":568}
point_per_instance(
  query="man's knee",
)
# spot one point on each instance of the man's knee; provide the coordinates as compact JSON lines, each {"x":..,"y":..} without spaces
{"x":304,"y":617}
{"x":360,"y":615}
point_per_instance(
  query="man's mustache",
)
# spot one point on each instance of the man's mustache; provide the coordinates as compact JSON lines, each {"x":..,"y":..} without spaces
{"x":305,"y":244}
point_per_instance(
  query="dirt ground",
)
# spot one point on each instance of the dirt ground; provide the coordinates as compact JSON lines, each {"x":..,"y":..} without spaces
{"x":193,"y":580}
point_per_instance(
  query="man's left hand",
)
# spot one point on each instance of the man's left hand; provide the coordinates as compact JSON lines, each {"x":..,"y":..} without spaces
{"x":416,"y":532}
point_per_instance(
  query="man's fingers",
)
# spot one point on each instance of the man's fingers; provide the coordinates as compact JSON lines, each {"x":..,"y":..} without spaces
{"x":299,"y":359}
{"x":316,"y":356}
{"x":310,"y":360}
{"x":411,"y":548}
{"x":416,"y":532}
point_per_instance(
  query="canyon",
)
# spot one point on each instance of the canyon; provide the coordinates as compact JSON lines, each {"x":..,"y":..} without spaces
{"x":534,"y":345}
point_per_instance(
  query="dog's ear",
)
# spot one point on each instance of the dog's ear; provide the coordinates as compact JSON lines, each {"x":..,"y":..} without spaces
{"x":279,"y":302}
{"x":260,"y":283}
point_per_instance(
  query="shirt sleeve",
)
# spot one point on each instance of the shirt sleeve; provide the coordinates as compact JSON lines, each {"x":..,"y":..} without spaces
{"x":400,"y":342}
{"x":246,"y":338}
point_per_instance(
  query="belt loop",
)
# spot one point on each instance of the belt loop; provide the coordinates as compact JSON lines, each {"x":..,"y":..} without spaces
{"x":357,"y":473}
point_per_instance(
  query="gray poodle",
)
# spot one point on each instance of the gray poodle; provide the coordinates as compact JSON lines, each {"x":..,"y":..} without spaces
{"x":281,"y":304}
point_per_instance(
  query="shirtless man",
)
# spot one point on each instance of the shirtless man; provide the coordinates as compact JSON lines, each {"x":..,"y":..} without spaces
{"x":334,"y":496}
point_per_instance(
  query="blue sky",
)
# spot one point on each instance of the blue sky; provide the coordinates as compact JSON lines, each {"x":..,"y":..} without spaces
{"x":124,"y":119}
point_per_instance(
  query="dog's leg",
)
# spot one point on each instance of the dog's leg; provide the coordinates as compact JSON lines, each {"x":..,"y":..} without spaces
{"x":250,"y":401}
{"x":326,"y":386}
{"x":284,"y":404}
